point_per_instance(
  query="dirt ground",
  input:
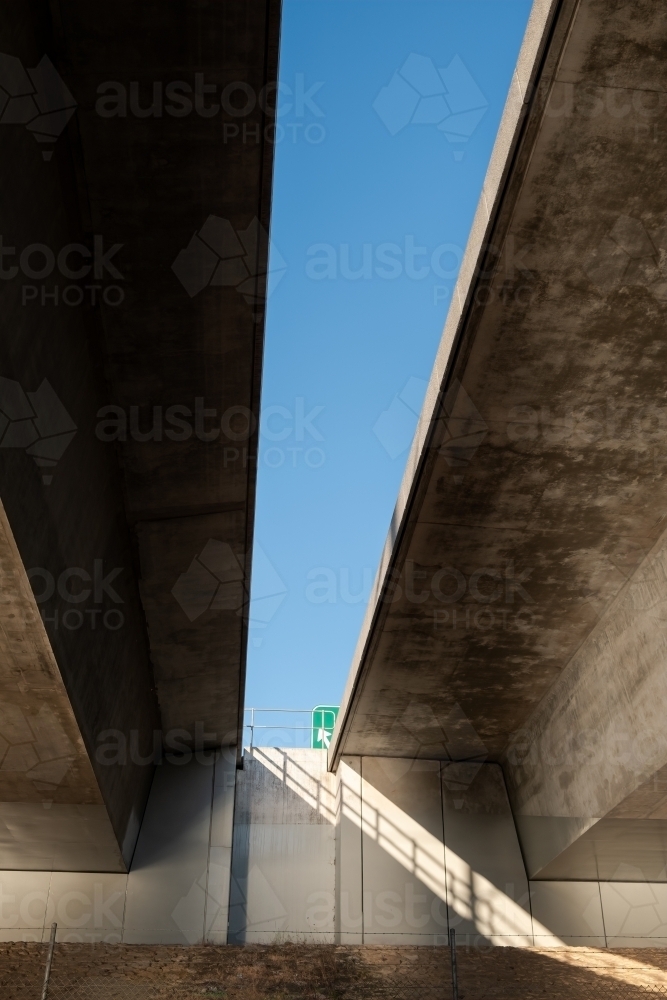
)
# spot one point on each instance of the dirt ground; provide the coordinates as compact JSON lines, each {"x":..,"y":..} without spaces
{"x":255,"y":972}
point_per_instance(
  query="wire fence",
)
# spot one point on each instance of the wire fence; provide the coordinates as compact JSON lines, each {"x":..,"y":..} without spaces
{"x":451,"y":981}
{"x":601,"y":988}
{"x":119,"y":989}
{"x":105,"y":989}
{"x":390,"y":990}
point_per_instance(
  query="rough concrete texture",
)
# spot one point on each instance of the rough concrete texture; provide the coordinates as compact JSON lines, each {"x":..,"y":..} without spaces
{"x":284,"y":850}
{"x":536,"y":484}
{"x":60,"y":485}
{"x":324,"y":971}
{"x":128,"y":426}
{"x":41,"y":747}
{"x":153,"y":181}
{"x":387,"y":851}
{"x":588,"y":772}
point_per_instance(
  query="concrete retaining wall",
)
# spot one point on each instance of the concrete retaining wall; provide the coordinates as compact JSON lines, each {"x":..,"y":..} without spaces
{"x":419,"y":847}
{"x":177,"y":890}
{"x":389,"y":851}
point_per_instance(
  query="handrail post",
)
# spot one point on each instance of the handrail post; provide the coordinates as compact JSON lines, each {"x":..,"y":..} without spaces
{"x":49,"y":960}
{"x":452,"y":950}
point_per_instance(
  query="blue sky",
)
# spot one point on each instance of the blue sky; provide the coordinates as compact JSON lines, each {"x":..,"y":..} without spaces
{"x":389,"y":113}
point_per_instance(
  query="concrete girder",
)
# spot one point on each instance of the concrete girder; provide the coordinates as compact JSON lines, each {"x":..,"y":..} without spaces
{"x":131,"y":503}
{"x":535,"y":486}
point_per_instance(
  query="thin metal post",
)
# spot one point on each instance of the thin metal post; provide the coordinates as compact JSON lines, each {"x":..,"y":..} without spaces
{"x":452,"y":950}
{"x":49,"y":960}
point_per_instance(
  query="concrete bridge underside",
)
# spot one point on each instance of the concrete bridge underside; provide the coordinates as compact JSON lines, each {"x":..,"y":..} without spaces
{"x":519,"y":611}
{"x":135,"y":529}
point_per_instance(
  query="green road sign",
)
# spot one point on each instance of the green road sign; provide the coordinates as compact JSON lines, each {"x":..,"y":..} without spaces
{"x":324,"y":720}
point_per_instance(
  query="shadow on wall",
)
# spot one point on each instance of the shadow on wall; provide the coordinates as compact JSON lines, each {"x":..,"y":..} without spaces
{"x":398,"y":851}
{"x":283,"y":854}
{"x":305,"y":840}
{"x":449,"y":827}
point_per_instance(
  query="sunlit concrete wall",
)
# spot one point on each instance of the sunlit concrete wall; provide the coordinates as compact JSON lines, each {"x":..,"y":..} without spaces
{"x":419,"y":847}
{"x":364,"y":856}
{"x":387,"y":851}
{"x":437,"y":850}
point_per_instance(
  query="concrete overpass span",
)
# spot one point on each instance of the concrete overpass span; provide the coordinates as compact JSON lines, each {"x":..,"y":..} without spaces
{"x":136,"y":178}
{"x":518,"y":615}
{"x":510,"y":672}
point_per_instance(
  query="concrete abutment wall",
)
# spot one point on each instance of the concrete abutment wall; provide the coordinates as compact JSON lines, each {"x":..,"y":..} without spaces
{"x":387,"y":851}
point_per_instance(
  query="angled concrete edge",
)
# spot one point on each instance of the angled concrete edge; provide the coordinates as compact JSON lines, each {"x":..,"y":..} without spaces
{"x":546,"y":31}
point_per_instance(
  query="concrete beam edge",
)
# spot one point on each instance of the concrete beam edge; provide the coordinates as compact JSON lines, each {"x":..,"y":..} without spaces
{"x":542,"y":17}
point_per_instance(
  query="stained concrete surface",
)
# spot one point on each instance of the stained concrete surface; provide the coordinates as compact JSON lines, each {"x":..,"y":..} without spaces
{"x":536,"y":484}
{"x":587,"y":773}
{"x":52,"y":815}
{"x":152,"y":182}
{"x":111,"y":502}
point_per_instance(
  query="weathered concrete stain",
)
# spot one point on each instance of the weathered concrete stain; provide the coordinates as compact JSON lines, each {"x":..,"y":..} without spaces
{"x":536,"y":486}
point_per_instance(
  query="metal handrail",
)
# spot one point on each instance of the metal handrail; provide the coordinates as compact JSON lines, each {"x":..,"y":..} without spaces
{"x":302,"y":711}
{"x":252,"y":725}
